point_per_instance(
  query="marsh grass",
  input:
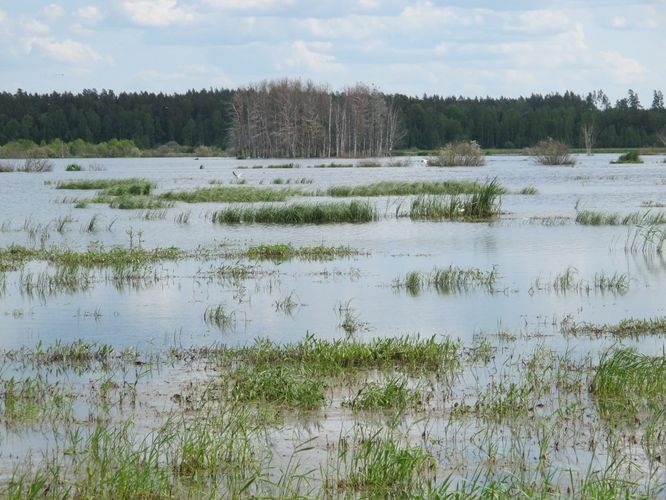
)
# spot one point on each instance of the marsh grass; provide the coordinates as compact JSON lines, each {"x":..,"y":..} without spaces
{"x":448,"y":280}
{"x":480,"y":206}
{"x":131,"y":202}
{"x":368,"y":164}
{"x":95,"y":257}
{"x":334,"y":357}
{"x":324,"y":213}
{"x":528,"y":190}
{"x":220,"y":317}
{"x":379,"y":465}
{"x":627,"y":381}
{"x":284,"y":385}
{"x":646,"y":239}
{"x":392,"y":393}
{"x":333,"y":165}
{"x":397,"y":188}
{"x":592,"y":218}
{"x":222,"y":194}
{"x":627,"y":328}
{"x":279,"y":252}
{"x":32,"y":399}
{"x":111,"y":187}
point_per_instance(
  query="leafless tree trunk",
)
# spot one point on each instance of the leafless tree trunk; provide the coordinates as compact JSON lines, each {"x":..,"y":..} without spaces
{"x":661,"y":136}
{"x":290,"y":118}
{"x":589,"y":132}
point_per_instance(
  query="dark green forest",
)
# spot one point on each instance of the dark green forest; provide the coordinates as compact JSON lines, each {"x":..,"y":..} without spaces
{"x":205,"y":117}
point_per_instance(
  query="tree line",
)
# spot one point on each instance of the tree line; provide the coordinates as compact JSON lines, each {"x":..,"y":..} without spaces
{"x":294,"y":118}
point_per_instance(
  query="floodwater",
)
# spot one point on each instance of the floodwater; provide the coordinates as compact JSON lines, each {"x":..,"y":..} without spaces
{"x":535,"y":240}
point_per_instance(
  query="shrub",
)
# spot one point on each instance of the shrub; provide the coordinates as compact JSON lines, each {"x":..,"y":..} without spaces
{"x":459,"y":154}
{"x":36,"y":165}
{"x":551,"y":152}
{"x":630,"y":157}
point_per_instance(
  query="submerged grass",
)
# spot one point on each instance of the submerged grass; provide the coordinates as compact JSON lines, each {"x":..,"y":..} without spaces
{"x":297,"y":213}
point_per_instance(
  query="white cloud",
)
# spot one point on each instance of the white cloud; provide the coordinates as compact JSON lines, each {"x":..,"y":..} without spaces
{"x":34,"y":27}
{"x":624,"y":69}
{"x":542,"y":21}
{"x":67,"y":50}
{"x":247,"y":4}
{"x":619,"y":22}
{"x":53,"y":11}
{"x":88,"y":14}
{"x":428,"y":12}
{"x":313,"y":56}
{"x":3,"y":16}
{"x":157,"y":12}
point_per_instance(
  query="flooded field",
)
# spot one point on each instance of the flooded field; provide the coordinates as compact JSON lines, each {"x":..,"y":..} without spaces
{"x":281,"y":328}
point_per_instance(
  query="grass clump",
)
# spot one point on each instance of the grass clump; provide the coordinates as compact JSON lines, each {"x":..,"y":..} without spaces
{"x":334,"y":165}
{"x":395,"y":188}
{"x":627,"y":328}
{"x":326,"y":213}
{"x":111,"y":187}
{"x":392,"y":393}
{"x":340,"y":356}
{"x":379,"y":466}
{"x":222,"y":194}
{"x":448,"y":280}
{"x":528,"y":190}
{"x":593,"y":218}
{"x":283,"y":385}
{"x":219,"y":317}
{"x":31,"y":399}
{"x":626,"y":380}
{"x":551,"y":152}
{"x":458,"y":154}
{"x":283,"y":251}
{"x":73,"y":167}
{"x":128,"y":202}
{"x":96,"y":256}
{"x":629,"y":157}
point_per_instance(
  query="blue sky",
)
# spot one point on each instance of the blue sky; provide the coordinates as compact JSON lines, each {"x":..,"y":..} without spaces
{"x":470,"y":48}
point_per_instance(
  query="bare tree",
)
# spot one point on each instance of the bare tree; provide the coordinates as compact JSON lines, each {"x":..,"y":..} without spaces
{"x":661,"y":136}
{"x":589,"y":132}
{"x":291,"y":118}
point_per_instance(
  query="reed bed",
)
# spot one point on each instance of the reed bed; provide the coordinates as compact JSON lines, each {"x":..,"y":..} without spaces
{"x":297,"y":213}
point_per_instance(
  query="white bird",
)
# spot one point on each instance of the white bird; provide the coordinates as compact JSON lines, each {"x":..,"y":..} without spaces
{"x":237,"y":175}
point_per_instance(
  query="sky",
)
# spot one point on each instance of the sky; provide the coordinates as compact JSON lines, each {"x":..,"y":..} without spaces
{"x":470,"y":48}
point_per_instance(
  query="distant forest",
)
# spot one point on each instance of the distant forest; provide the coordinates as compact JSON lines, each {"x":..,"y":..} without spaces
{"x":367,"y":121}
